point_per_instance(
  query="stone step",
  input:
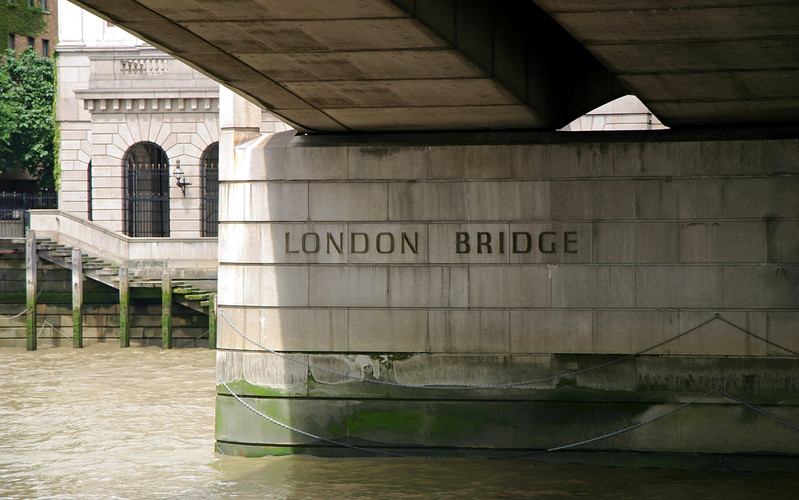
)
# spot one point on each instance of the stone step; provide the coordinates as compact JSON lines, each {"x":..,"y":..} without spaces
{"x":145,"y":284}
{"x":198,"y":296}
{"x":50,"y":246}
{"x":107,"y":272}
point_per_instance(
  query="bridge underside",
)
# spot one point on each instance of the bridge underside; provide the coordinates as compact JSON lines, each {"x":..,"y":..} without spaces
{"x":380,"y":65}
{"x":498,"y":293}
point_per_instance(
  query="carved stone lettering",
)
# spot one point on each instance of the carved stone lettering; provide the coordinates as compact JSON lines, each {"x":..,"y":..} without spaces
{"x":384,"y":243}
{"x":521,"y":242}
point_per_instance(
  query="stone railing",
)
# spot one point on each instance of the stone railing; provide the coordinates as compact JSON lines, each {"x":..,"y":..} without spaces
{"x":144,"y":66}
{"x":136,"y":253}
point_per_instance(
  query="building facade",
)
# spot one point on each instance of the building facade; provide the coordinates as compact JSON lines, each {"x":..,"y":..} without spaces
{"x":20,"y":23}
{"x":127,"y":114}
{"x":130,"y":115}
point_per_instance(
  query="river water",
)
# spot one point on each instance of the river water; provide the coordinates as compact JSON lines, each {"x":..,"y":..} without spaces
{"x":136,"y":423}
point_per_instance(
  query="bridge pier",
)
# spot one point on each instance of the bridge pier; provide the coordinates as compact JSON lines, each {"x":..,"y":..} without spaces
{"x":624,"y":275}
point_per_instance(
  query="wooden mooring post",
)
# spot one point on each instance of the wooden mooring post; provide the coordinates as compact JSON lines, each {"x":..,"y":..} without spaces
{"x":212,"y":321}
{"x":166,"y":311}
{"x":77,"y":298}
{"x":30,"y":288}
{"x":124,"y":304}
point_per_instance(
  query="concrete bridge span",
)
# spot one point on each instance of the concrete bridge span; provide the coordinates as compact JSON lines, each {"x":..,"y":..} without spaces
{"x":474,"y":283}
{"x":380,"y":65}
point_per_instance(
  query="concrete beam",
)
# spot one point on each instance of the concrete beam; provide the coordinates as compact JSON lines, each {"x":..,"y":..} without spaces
{"x":384,"y":65}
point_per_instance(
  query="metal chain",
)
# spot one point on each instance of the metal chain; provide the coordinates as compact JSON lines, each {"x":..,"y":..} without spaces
{"x":549,"y":450}
{"x":620,"y":431}
{"x":515,"y":455}
{"x":41,"y":289}
{"x":758,"y":410}
{"x":192,"y":340}
{"x":767,"y":341}
{"x":52,"y":327}
{"x":15,"y":316}
{"x":308,"y":434}
{"x":474,"y":387}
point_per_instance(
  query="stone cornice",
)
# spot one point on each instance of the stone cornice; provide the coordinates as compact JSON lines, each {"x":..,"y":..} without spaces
{"x":196,"y":101}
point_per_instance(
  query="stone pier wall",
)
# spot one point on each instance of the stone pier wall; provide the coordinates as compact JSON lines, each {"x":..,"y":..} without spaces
{"x":488,"y":259}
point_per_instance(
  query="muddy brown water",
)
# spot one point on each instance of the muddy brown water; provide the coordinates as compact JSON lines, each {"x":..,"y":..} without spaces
{"x":136,"y":423}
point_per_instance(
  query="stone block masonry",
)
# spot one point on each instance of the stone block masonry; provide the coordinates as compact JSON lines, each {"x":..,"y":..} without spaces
{"x":488,"y":258}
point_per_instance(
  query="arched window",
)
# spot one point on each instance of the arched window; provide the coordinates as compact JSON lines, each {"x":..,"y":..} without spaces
{"x":210,"y":181}
{"x":146,"y":167}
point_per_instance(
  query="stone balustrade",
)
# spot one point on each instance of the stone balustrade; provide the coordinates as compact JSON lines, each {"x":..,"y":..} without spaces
{"x":144,"y":66}
{"x":198,"y":254}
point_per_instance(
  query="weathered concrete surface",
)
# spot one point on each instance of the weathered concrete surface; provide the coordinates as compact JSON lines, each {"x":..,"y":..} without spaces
{"x":380,"y":65}
{"x":507,"y":258}
{"x":695,"y":63}
{"x":460,"y":66}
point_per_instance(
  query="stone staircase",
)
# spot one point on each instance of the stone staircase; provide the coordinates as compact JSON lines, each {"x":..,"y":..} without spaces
{"x":192,"y":293}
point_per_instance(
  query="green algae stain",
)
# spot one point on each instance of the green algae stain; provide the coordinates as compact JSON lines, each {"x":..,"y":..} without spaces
{"x":335,"y":429}
{"x":567,"y":382}
{"x":412,"y":422}
{"x":244,"y":388}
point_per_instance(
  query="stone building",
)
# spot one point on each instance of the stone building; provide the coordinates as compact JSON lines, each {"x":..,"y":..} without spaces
{"x":129,"y":115}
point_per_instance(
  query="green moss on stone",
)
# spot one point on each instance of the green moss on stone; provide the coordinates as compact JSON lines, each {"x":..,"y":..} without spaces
{"x":242,"y":387}
{"x":396,"y":421}
{"x":567,"y":382}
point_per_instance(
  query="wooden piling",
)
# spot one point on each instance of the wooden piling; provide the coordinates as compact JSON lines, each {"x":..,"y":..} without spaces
{"x":166,"y":311}
{"x":212,"y":321}
{"x":77,"y":298}
{"x":124,"y":304}
{"x":30,"y":288}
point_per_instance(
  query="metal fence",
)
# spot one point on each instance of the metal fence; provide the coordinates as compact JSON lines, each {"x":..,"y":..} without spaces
{"x":14,"y":210}
{"x":147,"y":200}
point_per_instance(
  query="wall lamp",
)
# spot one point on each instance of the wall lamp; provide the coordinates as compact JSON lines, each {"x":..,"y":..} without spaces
{"x":181,"y":178}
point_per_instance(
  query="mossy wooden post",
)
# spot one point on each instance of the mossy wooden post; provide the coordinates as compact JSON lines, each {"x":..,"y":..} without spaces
{"x":166,"y":311}
{"x":77,"y":298}
{"x":124,"y":303}
{"x":212,"y":321}
{"x":30,"y":288}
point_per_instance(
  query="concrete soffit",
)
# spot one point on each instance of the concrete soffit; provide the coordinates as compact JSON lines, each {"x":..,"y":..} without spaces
{"x":714,"y":63}
{"x":381,"y":65}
